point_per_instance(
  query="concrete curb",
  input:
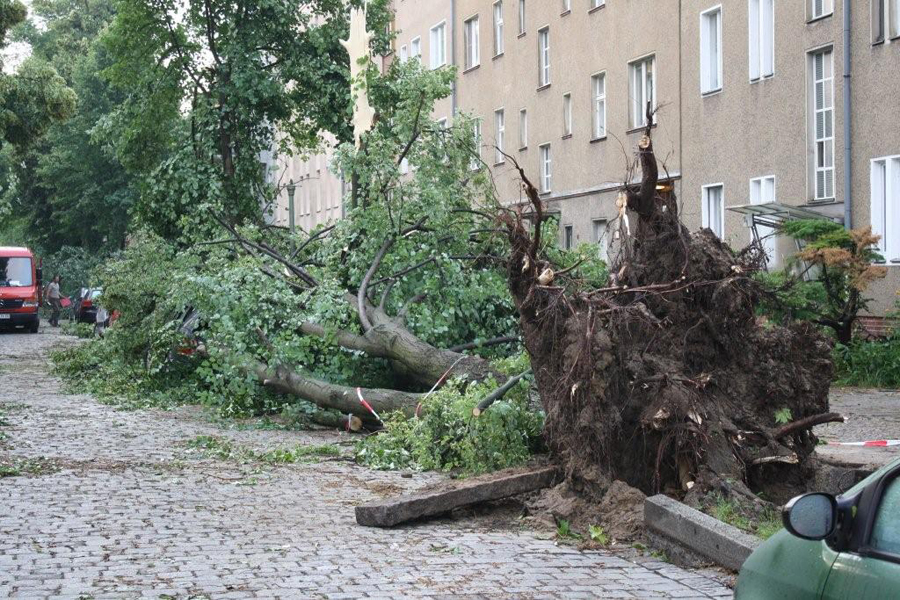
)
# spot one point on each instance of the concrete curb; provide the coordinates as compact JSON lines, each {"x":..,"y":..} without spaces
{"x":697,"y":533}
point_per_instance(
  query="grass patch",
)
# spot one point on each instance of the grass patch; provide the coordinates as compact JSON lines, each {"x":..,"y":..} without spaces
{"x":763,"y":524}
{"x":874,"y":363}
{"x":27,"y":466}
{"x":210,"y":446}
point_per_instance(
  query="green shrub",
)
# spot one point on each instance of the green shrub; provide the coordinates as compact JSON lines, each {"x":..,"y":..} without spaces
{"x":447,"y":437}
{"x":873,"y":363}
{"x":80,"y":330}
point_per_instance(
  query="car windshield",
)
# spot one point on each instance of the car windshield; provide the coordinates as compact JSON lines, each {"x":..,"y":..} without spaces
{"x":15,"y":271}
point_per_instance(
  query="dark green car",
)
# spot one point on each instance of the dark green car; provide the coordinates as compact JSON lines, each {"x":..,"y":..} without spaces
{"x":846,"y":547}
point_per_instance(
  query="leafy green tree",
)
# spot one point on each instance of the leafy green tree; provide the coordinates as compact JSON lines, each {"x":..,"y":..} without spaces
{"x":213,"y":85}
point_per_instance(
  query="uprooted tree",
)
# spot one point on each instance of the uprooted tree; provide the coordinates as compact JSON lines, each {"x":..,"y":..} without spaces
{"x":665,"y":379}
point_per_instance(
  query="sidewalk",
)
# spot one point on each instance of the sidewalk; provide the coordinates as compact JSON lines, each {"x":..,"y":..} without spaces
{"x":871,"y":415}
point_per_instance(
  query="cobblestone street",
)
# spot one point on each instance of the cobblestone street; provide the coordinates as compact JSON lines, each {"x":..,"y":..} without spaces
{"x":116,"y":506}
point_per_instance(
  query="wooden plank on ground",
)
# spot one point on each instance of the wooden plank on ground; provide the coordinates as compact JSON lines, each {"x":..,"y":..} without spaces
{"x":387,"y":513}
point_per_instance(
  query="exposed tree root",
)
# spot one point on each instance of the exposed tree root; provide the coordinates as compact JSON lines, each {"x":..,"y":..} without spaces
{"x":665,"y":379}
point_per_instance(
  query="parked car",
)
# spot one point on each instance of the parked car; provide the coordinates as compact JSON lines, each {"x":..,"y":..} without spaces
{"x":85,"y":306}
{"x":846,"y":547}
{"x":20,"y":289}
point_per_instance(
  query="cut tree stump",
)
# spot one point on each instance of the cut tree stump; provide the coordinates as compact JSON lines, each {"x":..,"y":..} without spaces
{"x":387,"y":513}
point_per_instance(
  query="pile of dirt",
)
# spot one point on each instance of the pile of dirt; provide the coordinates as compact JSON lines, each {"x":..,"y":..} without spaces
{"x":620,"y":511}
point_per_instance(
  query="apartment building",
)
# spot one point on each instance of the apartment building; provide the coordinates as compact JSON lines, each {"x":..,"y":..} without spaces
{"x":751,"y":95}
{"x":562,"y":86}
{"x":317,"y":192}
{"x":765,"y":113}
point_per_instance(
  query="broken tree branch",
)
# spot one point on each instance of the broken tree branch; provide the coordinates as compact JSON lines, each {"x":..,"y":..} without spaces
{"x":497,"y":341}
{"x":498,"y":393}
{"x":808,"y":423}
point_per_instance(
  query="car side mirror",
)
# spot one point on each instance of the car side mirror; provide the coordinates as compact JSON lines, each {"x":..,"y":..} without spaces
{"x":811,"y":516}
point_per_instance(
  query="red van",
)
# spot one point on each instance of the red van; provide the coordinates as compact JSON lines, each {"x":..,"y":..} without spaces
{"x":20,"y":289}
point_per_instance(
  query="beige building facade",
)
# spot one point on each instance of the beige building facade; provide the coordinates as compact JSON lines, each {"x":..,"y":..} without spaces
{"x":750,"y":100}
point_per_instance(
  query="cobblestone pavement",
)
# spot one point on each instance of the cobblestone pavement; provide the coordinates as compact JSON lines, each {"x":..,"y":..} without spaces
{"x":118,"y":507}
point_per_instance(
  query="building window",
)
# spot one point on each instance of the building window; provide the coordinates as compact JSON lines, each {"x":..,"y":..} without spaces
{"x":885,"y":206}
{"x":762,"y":39}
{"x":544,"y":57}
{"x":642,"y":88}
{"x":819,"y":8}
{"x":476,"y":135}
{"x":500,"y":123}
{"x":404,"y":53}
{"x":415,"y":48}
{"x":598,"y":106}
{"x":762,"y":191}
{"x":523,"y":129}
{"x":601,"y":239}
{"x":498,"y":28}
{"x":885,"y":19}
{"x":567,"y":115}
{"x":566,"y":6}
{"x":714,"y":209}
{"x":569,"y":241}
{"x":521,"y":17}
{"x":471,"y":35}
{"x":438,"y":45}
{"x":597,"y":3}
{"x":711,"y":50}
{"x":822,"y":134}
{"x":546,"y":168}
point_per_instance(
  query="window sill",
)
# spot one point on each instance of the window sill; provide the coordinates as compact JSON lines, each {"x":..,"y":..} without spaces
{"x":598,"y":139}
{"x":714,"y":92}
{"x":762,"y":79}
{"x":565,"y":13}
{"x":541,"y":88}
{"x":596,"y":8}
{"x":568,"y":136}
{"x":523,"y":148}
{"x":501,"y":163}
{"x":496,"y":56}
{"x":818,"y":201}
{"x":878,"y":43}
{"x":821,"y":18}
{"x":472,"y":68}
{"x":545,"y":194}
{"x":521,"y":35}
{"x":639,"y":129}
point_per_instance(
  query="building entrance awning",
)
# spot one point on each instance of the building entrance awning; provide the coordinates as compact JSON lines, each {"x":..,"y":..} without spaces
{"x":773,"y":214}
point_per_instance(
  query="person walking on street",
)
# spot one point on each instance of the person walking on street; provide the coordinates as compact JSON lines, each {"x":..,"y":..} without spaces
{"x":54,"y":299}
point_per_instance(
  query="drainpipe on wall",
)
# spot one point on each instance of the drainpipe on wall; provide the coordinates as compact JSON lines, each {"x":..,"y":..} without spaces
{"x":848,"y":144}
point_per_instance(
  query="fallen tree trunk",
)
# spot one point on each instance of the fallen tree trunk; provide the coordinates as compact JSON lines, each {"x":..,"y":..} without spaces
{"x":660,"y":378}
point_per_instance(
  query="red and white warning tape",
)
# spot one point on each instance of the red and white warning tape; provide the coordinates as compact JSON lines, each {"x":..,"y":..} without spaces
{"x":439,"y":382}
{"x":367,"y":405}
{"x":868,"y":444}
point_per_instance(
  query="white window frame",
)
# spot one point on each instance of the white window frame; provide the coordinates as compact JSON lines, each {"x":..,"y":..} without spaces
{"x":471,"y":43}
{"x":497,"y":11}
{"x":885,"y":206}
{"x":598,"y":105}
{"x":822,"y":144}
{"x":404,"y":53}
{"x":568,"y":237}
{"x":522,"y":16}
{"x":761,"y":35}
{"x":566,"y":6}
{"x":567,"y":114}
{"x":500,"y":125}
{"x":638,"y":104}
{"x":596,"y":4}
{"x":546,"y":158}
{"x":711,"y":74}
{"x":438,"y":48}
{"x":885,"y":15}
{"x":415,"y":48}
{"x":819,"y":9}
{"x":716,"y":224}
{"x":523,"y":128}
{"x":544,"y":56}
{"x":758,"y":196}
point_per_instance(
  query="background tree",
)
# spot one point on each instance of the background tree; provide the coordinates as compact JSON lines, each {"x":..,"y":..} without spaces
{"x":214,"y":85}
